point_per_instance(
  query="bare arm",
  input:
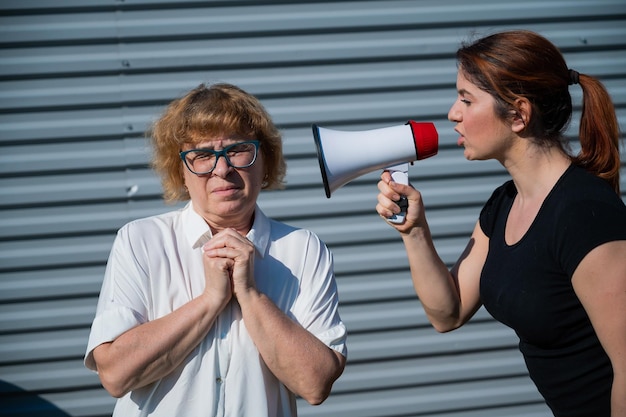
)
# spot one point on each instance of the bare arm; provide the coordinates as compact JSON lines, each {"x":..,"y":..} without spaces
{"x":450,"y":298}
{"x":302,"y":362}
{"x":600,"y":284}
{"x":154,"y":349}
{"x":295,"y":356}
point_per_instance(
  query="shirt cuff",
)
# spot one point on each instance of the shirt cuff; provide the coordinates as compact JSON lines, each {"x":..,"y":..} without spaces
{"x":335,"y":338}
{"x":107,"y":326}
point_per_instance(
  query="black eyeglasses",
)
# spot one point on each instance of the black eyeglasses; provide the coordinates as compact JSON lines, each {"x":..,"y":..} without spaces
{"x":238,"y":155}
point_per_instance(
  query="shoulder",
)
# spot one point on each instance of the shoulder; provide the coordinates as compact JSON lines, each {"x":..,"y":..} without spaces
{"x":287,"y":232}
{"x":501,"y":197}
{"x":149,"y":228}
{"x":583,"y":213}
{"x":506,"y":191}
{"x":286,"y":238}
{"x":580,"y":193}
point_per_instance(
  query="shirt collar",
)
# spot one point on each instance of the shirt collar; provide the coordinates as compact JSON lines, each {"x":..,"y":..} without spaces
{"x":198,"y":232}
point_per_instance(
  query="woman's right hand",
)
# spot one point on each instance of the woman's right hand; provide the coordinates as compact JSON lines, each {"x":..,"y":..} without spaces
{"x":389,"y":195}
{"x":218,"y":277}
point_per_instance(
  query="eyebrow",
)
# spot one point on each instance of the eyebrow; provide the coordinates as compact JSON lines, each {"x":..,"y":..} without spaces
{"x":464,"y":92}
{"x":211,"y":144}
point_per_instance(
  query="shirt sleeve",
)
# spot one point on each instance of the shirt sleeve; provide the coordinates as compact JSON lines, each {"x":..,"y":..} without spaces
{"x":122,"y":304}
{"x":489,"y":212}
{"x":585,"y":226}
{"x":317,"y":309}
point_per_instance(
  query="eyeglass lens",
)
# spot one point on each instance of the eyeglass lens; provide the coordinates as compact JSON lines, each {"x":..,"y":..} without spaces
{"x":237,"y":155}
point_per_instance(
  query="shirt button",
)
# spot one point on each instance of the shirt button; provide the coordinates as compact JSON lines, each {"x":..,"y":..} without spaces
{"x":218,"y":380}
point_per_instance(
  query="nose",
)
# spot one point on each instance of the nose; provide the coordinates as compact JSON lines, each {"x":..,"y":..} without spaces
{"x":222,"y":167}
{"x":454,"y":115}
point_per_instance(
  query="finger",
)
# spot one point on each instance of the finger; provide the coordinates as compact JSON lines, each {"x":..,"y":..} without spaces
{"x":386,"y":176}
{"x":238,"y":250}
{"x":387,"y":192}
{"x":225,"y":252}
{"x":224,"y":239}
{"x":386,"y":207}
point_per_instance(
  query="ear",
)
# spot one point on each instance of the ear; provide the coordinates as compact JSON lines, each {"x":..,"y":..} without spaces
{"x":521,"y":116}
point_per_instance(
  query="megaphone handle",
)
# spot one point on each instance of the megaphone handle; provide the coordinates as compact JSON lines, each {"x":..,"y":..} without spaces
{"x":400,"y":174}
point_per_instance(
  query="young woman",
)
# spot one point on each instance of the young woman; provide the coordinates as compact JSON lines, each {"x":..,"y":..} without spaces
{"x":548,"y":254}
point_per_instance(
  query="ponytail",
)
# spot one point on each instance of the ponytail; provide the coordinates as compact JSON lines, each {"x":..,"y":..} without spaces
{"x":599,"y":132}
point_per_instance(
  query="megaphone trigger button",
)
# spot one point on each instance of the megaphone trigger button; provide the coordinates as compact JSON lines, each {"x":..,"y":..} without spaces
{"x":403,"y":203}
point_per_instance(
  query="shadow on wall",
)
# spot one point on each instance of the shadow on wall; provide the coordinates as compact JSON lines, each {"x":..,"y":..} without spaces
{"x":15,"y":402}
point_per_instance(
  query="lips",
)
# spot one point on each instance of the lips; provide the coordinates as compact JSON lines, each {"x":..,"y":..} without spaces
{"x":225,"y":189}
{"x":461,"y":140}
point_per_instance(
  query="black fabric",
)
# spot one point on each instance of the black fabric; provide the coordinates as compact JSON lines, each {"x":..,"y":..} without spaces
{"x":527,"y":286}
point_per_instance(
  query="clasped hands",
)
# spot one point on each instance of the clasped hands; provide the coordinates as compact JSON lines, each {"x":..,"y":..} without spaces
{"x":228,"y":260}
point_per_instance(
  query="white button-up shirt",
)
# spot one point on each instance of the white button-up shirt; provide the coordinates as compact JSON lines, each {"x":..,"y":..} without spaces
{"x":156,"y":266}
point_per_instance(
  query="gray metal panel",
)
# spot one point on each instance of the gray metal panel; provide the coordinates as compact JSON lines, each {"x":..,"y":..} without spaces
{"x":80,"y":81}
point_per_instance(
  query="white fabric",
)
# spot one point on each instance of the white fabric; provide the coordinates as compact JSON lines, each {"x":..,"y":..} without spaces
{"x":155,"y":267}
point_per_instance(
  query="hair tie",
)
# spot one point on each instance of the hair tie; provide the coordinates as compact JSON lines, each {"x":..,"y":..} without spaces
{"x":573,"y":76}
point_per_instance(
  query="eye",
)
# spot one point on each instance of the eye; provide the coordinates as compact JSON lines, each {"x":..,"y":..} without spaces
{"x":239,"y":147}
{"x":235,"y":150}
{"x":465,"y":101}
{"x":202,"y":156}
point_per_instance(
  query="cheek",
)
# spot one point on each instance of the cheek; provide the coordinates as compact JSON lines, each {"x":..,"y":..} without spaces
{"x":187,"y":180}
{"x":195,"y":185}
{"x":256,"y":179}
{"x":259,"y":171}
{"x":469,"y":122}
{"x":477,"y":123}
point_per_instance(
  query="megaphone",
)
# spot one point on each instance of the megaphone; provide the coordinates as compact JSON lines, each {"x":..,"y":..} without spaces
{"x":346,"y":155}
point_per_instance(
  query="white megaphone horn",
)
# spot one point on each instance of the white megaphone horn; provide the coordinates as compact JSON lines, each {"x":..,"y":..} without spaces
{"x":344,"y":156}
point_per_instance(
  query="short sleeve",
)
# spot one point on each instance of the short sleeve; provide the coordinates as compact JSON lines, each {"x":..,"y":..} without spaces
{"x":121,"y":305}
{"x":317,"y":307}
{"x":585,"y":226}
{"x":489,"y":212}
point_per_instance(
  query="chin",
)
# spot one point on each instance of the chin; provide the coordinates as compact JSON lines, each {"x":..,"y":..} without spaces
{"x":233,"y":208}
{"x":472,"y":156}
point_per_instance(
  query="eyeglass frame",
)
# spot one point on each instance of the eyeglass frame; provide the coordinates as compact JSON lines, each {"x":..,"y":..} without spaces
{"x":221,"y":153}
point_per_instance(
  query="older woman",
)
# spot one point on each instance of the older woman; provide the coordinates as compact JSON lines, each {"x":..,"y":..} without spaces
{"x":216,"y":309}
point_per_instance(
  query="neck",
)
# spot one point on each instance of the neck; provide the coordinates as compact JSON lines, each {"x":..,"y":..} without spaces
{"x":242,"y":227}
{"x":537,"y":170}
{"x":241,"y":222}
{"x":243,"y":231}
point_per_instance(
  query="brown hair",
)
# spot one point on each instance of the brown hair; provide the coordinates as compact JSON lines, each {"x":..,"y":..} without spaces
{"x":522,"y":64}
{"x":210,"y":111}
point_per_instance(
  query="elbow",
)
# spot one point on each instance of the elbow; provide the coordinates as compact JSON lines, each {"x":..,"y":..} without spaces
{"x":115,"y":376}
{"x":444,"y":322}
{"x":114,"y":386}
{"x":445,"y":326}
{"x":316,"y":401}
{"x":316,"y":394}
{"x":115,"y":379}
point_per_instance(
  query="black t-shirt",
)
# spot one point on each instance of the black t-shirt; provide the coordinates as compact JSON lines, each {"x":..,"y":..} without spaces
{"x":527,"y":286}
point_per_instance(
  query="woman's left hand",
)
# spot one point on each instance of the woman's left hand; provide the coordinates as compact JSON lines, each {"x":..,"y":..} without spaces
{"x":228,"y":243}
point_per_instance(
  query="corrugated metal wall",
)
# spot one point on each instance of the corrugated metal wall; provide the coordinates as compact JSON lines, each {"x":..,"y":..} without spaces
{"x":79,"y":81}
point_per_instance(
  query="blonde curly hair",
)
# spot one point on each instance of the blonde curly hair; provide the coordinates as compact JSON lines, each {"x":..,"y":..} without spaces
{"x":210,"y":111}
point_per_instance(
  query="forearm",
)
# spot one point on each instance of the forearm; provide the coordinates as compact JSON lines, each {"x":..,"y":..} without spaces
{"x":296,"y":357}
{"x":154,"y":349}
{"x":433,"y":282}
{"x":618,"y":396}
